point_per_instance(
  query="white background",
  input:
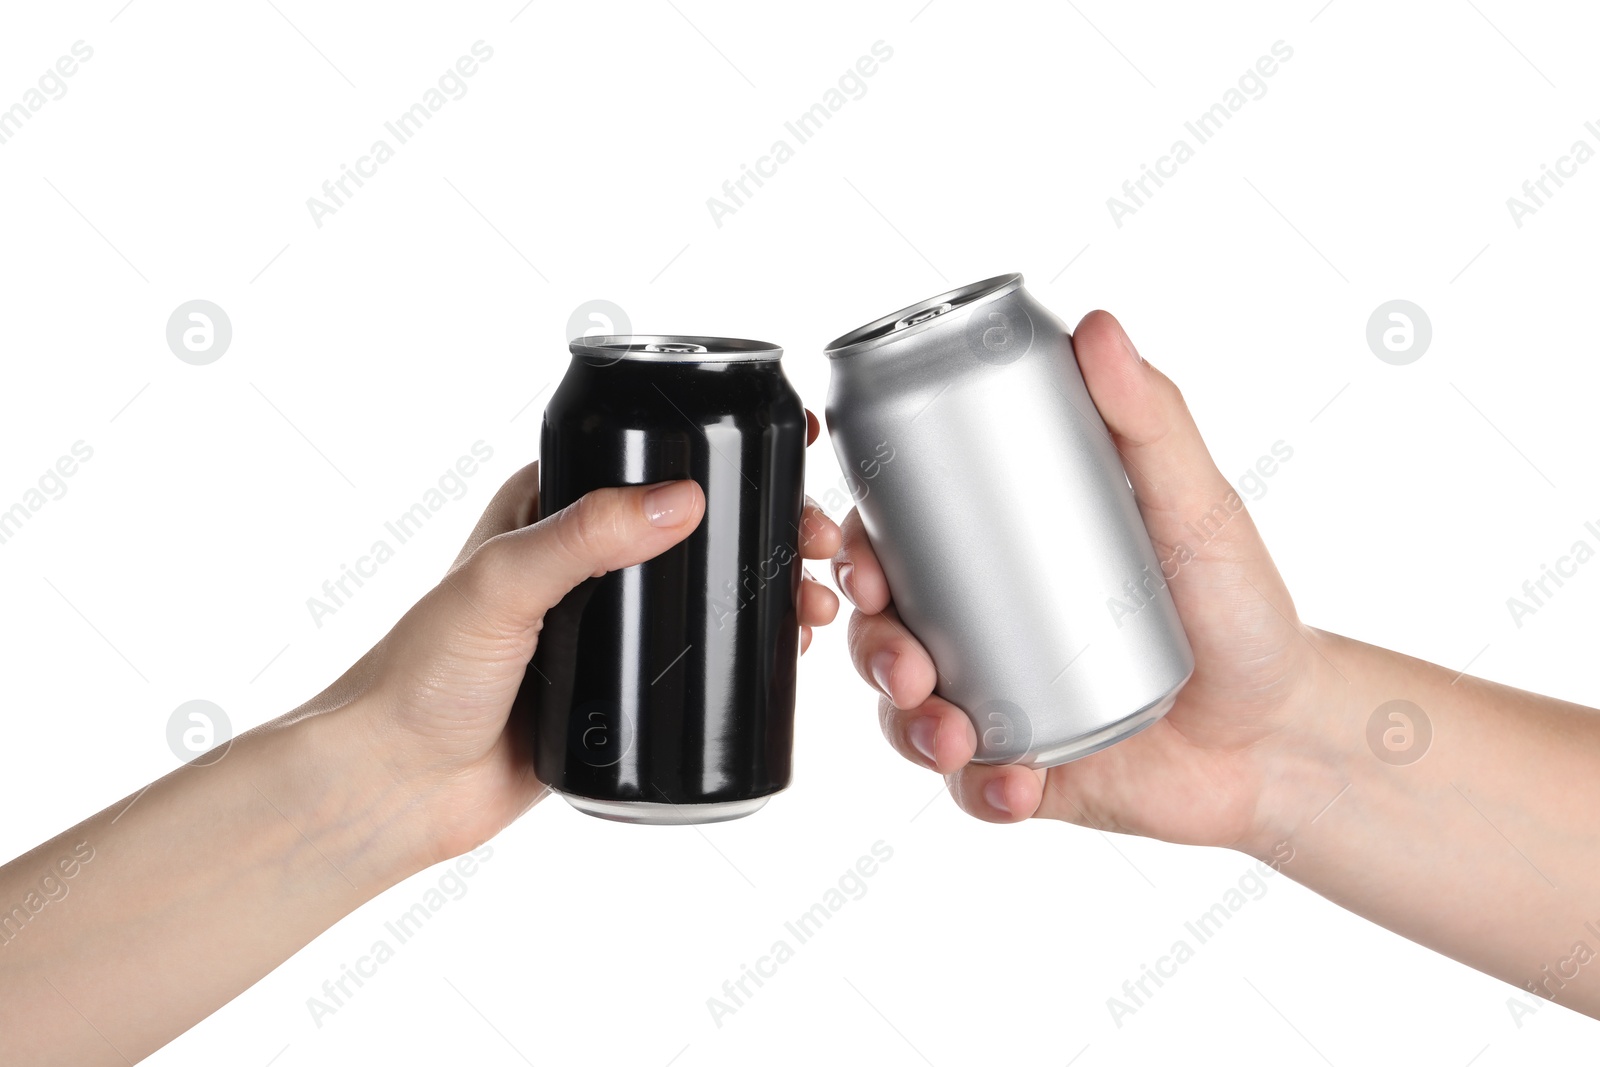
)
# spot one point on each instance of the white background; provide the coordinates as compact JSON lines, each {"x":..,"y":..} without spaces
{"x":429,"y":311}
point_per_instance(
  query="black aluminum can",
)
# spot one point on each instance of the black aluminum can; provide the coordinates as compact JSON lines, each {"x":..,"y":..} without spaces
{"x":665,"y":692}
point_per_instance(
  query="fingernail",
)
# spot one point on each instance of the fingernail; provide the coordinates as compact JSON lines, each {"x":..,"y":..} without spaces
{"x":670,"y":504}
{"x":995,"y":795}
{"x":882,"y":665}
{"x":924,"y":733}
{"x":846,"y":579}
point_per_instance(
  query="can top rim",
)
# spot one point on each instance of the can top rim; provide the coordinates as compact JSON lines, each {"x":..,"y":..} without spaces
{"x":894,"y":326}
{"x":674,"y":348}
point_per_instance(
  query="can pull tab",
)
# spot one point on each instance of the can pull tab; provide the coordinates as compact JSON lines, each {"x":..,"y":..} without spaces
{"x":922,"y":316}
{"x":675,"y":348}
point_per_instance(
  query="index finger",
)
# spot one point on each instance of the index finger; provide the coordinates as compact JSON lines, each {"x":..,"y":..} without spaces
{"x":516,"y":505}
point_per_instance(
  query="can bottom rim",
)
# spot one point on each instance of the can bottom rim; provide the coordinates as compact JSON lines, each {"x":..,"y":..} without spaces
{"x":644,"y":813}
{"x":1103,"y":738}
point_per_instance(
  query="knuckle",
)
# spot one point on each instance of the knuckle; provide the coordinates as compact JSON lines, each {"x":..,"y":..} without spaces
{"x":862,"y":635}
{"x":887,"y":719}
{"x":964,"y":801}
{"x":488,"y":567}
{"x":582,"y":521}
{"x":813,"y":523}
{"x":1170,"y":391}
{"x":578,"y":528}
{"x":826,"y":607}
{"x":966,"y":789}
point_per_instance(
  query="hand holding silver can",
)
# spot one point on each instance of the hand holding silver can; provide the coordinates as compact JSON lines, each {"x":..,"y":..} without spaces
{"x":1197,"y":775}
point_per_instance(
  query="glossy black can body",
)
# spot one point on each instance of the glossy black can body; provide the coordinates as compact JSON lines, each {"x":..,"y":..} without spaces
{"x":673,"y":682}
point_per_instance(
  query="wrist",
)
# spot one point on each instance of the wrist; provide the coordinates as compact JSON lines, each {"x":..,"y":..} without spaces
{"x":346,"y":800}
{"x":1306,"y":765}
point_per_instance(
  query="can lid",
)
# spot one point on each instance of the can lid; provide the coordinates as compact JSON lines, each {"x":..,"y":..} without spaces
{"x":674,"y":348}
{"x":922,"y":315}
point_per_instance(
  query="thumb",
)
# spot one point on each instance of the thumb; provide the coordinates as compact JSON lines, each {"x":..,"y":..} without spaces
{"x":1172,"y":473}
{"x":515,"y":577}
{"x":1191,"y":511}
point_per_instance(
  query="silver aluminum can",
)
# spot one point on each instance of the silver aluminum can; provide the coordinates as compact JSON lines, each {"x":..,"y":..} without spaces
{"x":997,"y":503}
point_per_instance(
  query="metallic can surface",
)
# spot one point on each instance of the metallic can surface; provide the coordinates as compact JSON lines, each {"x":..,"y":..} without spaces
{"x":664,"y":692}
{"x":1013,"y":545}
